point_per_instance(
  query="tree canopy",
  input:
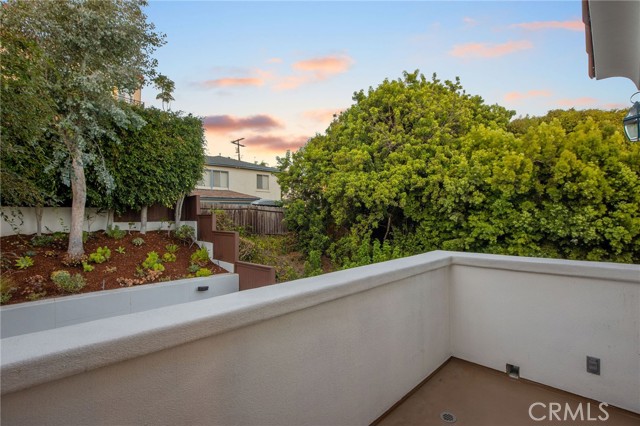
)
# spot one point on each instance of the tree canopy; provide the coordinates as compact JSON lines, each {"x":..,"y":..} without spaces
{"x":416,"y":165}
{"x":95,"y":47}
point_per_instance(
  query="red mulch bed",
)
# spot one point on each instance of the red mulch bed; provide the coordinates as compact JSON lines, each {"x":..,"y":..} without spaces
{"x":103,"y":277}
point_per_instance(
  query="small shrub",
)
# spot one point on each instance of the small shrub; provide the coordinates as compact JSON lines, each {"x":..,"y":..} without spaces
{"x":86,"y":236}
{"x":86,"y":267}
{"x":33,"y":288}
{"x":24,"y":262}
{"x":111,"y":269}
{"x":42,"y":240}
{"x":121,"y":250}
{"x":193,"y":268}
{"x":203,"y":272}
{"x":153,"y":262}
{"x":50,"y":253}
{"x":169,"y":257}
{"x":115,"y":232}
{"x":186,"y":234}
{"x":171,"y":248}
{"x":101,"y":255}
{"x":30,"y":253}
{"x":7,"y":288}
{"x":137,"y":242}
{"x":200,"y":256}
{"x":67,"y":282}
{"x":153,"y":275}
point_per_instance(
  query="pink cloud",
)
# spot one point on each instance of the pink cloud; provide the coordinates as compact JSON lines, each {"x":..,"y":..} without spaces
{"x":488,"y":50}
{"x":228,"y":123}
{"x":578,"y":102}
{"x":325,"y":66}
{"x":276,"y":144}
{"x":274,"y":60}
{"x":293,"y":81}
{"x":234,"y":82}
{"x":576,"y":25}
{"x":517,"y":96}
{"x":616,"y":105}
{"x":321,"y":115}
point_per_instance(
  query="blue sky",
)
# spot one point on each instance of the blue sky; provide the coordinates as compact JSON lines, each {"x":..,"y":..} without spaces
{"x":275,"y":72}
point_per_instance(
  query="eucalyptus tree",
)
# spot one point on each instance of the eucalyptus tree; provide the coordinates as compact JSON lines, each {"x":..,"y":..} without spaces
{"x":96,"y":48}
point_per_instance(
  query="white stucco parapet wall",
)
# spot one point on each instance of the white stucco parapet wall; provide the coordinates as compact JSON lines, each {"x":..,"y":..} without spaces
{"x":360,"y":339}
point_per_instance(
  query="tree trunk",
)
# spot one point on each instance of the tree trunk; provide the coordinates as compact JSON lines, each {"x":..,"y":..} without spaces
{"x":39,"y":211}
{"x":79,"y":192}
{"x":109,"y":218}
{"x":179,"y":210}
{"x":143,"y":220}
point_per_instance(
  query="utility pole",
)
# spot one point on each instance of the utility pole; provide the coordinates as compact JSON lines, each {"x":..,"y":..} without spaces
{"x":238,"y":145}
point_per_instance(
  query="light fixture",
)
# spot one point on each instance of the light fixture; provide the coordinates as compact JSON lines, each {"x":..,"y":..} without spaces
{"x":632,"y":121}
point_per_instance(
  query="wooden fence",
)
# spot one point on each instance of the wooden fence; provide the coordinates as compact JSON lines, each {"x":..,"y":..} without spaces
{"x":262,"y":220}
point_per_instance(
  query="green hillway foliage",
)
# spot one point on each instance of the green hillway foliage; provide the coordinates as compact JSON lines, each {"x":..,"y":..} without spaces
{"x":418,"y":165}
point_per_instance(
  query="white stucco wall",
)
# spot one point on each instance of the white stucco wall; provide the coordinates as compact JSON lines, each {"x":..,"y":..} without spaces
{"x":338,"y":349}
{"x":58,"y":219}
{"x":548,"y":325}
{"x":246,"y":181}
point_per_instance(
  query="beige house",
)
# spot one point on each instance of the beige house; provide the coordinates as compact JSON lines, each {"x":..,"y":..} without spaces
{"x":226,"y":180}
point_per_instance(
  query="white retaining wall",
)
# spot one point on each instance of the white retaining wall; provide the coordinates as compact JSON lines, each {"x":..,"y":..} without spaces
{"x":60,"y":312}
{"x":58,"y":219}
{"x":336,"y":349}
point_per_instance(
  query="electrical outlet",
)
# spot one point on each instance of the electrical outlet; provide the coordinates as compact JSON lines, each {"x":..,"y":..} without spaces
{"x":593,"y":365}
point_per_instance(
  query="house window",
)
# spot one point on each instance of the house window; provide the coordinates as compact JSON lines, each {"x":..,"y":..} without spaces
{"x":214,"y":179}
{"x":263,"y":182}
{"x":220,"y":179}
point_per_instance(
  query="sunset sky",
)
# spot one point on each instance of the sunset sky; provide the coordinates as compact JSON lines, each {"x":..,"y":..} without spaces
{"x":274,"y":73}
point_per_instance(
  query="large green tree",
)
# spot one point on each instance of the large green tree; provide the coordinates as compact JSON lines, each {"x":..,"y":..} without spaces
{"x":417,"y":165}
{"x":159,"y":162}
{"x":27,"y":109}
{"x":96,"y":47}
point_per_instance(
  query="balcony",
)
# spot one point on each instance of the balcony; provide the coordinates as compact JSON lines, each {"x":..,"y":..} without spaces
{"x":344,"y":348}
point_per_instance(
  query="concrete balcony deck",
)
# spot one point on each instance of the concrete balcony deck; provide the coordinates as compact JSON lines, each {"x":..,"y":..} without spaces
{"x":480,"y":396}
{"x":337,"y":349}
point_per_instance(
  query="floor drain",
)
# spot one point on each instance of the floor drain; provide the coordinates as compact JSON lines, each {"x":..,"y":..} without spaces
{"x":448,"y":417}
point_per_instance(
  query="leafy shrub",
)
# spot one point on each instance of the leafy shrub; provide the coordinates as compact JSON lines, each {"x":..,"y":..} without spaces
{"x":50,"y":253}
{"x":67,"y":282}
{"x":185,"y":233}
{"x":171,"y":248}
{"x":30,"y":253}
{"x":203,"y":272}
{"x":24,"y":262}
{"x":87,"y":268}
{"x":121,"y":250}
{"x":86,"y":236}
{"x":42,"y":240}
{"x":115,"y":232}
{"x":168,"y":257}
{"x":137,"y":241}
{"x":7,"y":288}
{"x":193,"y":268}
{"x":200,"y":256}
{"x":101,"y":255}
{"x":34,"y":288}
{"x":153,"y":262}
{"x":111,"y":269}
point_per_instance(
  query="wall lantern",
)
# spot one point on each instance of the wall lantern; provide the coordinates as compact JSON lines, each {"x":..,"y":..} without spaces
{"x":632,"y":122}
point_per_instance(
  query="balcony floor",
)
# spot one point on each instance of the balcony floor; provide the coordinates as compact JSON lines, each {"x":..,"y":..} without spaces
{"x":481,"y":396}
